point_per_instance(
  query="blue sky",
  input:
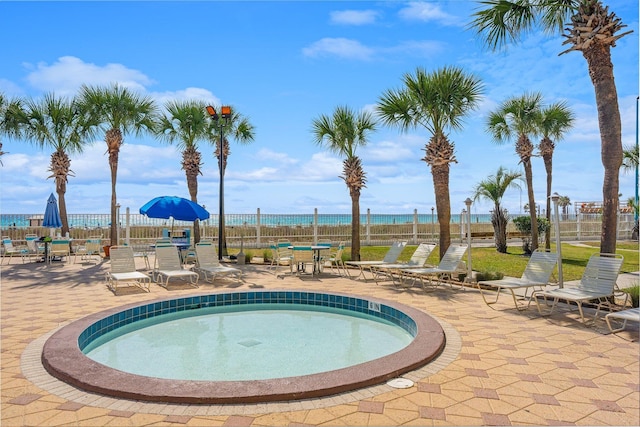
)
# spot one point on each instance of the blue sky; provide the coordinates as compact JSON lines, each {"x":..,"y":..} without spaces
{"x":282,"y":64}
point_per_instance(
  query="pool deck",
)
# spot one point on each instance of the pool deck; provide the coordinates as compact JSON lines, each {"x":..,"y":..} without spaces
{"x":500,"y":367}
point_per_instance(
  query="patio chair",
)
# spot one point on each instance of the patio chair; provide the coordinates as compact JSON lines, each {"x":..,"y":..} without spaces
{"x":60,"y":248}
{"x":334,"y":260}
{"x":536,"y":275}
{"x":170,"y":267}
{"x":207,"y":262}
{"x":390,"y":257}
{"x":596,"y":285}
{"x":302,"y":256}
{"x":90,"y":249}
{"x":417,"y":260}
{"x":632,"y":314}
{"x":10,"y":250}
{"x":123,"y":270}
{"x":281,"y":255}
{"x":35,"y":248}
{"x":449,"y":264}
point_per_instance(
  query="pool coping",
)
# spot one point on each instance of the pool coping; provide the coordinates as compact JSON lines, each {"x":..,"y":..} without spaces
{"x":62,"y":358}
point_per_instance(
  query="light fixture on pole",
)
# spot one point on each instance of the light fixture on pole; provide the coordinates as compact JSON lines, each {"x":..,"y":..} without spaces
{"x":555,"y":198}
{"x":225,"y":114}
{"x":468,"y":204}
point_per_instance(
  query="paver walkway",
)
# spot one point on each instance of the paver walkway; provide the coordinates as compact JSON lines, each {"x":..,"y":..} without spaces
{"x":503,"y":367}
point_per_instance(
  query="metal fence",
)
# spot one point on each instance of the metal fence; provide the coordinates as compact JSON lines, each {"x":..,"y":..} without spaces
{"x":257,"y":230}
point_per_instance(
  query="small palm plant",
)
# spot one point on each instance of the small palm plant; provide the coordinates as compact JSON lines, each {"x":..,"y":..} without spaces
{"x":493,"y":189}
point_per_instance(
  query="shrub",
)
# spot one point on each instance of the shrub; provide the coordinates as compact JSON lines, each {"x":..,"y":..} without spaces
{"x":488,"y":275}
{"x":523,"y":224}
{"x":634,"y":294}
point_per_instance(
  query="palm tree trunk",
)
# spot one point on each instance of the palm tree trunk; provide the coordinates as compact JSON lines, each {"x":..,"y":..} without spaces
{"x":192,"y":185}
{"x":549,"y":168}
{"x":61,"y":189}
{"x":532,"y":204}
{"x":355,"y":225}
{"x":113,"y":165}
{"x":499,"y":221}
{"x":601,"y":72}
{"x":440,"y":175}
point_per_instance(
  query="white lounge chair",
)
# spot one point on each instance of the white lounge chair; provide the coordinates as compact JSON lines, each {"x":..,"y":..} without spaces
{"x":597,"y":284}
{"x":207,"y":262}
{"x":449,"y":264}
{"x":390,"y":257}
{"x":536,"y":275}
{"x":417,"y":260}
{"x":632,"y":314}
{"x":123,"y":270}
{"x":170,"y":267}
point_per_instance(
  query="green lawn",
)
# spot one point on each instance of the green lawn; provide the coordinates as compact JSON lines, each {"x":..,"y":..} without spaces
{"x":574,"y":258}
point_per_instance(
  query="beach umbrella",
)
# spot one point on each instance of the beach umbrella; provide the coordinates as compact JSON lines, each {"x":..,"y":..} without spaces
{"x":175,"y":208}
{"x":52,"y":214}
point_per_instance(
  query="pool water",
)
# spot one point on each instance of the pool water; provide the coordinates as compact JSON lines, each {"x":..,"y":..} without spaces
{"x":263,"y":341}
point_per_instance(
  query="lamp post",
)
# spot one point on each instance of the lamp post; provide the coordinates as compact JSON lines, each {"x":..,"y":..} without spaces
{"x":468,"y":204}
{"x":433,"y":225}
{"x":555,"y":198}
{"x":225,"y":114}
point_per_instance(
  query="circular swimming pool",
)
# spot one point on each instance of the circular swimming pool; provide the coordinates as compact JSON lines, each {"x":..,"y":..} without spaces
{"x":64,"y":352}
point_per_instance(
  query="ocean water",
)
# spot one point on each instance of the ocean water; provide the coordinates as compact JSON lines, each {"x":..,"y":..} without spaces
{"x":269,"y":220}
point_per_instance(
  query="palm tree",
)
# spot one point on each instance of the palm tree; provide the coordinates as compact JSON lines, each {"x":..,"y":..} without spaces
{"x":342,"y":133}
{"x":239,"y":128}
{"x":493,"y":189}
{"x":186,"y":123}
{"x":564,"y":202}
{"x":591,"y":29}
{"x":437,"y":101}
{"x":117,"y":111}
{"x":56,"y":122}
{"x":555,"y":120}
{"x":10,"y":112}
{"x":518,"y":117}
{"x":630,"y":163}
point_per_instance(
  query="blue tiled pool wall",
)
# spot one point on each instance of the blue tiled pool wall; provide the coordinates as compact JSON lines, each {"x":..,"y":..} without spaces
{"x":135,"y":314}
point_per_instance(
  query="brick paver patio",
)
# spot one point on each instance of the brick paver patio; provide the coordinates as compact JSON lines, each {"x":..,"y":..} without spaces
{"x":501,"y":367}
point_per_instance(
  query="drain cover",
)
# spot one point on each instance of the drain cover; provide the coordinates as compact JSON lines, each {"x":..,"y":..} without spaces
{"x":249,"y":343}
{"x":400,"y":383}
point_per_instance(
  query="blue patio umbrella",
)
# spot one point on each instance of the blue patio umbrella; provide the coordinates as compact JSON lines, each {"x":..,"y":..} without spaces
{"x":175,"y":208}
{"x":52,"y":214}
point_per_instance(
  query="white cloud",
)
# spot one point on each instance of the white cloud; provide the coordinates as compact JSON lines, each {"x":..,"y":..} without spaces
{"x":280,"y":158}
{"x":427,"y":12}
{"x":339,"y":47}
{"x":354,"y":17}
{"x":387,"y":151}
{"x":68,"y":73}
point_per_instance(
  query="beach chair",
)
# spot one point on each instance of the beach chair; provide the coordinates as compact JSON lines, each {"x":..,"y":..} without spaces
{"x":90,"y":249}
{"x":392,"y":271}
{"x":536,"y":275}
{"x":597,"y":285}
{"x":207,"y":263}
{"x":632,"y":314}
{"x":10,"y":250}
{"x":449,"y":264}
{"x":390,"y":257}
{"x":123,"y":270}
{"x":170,"y":267}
